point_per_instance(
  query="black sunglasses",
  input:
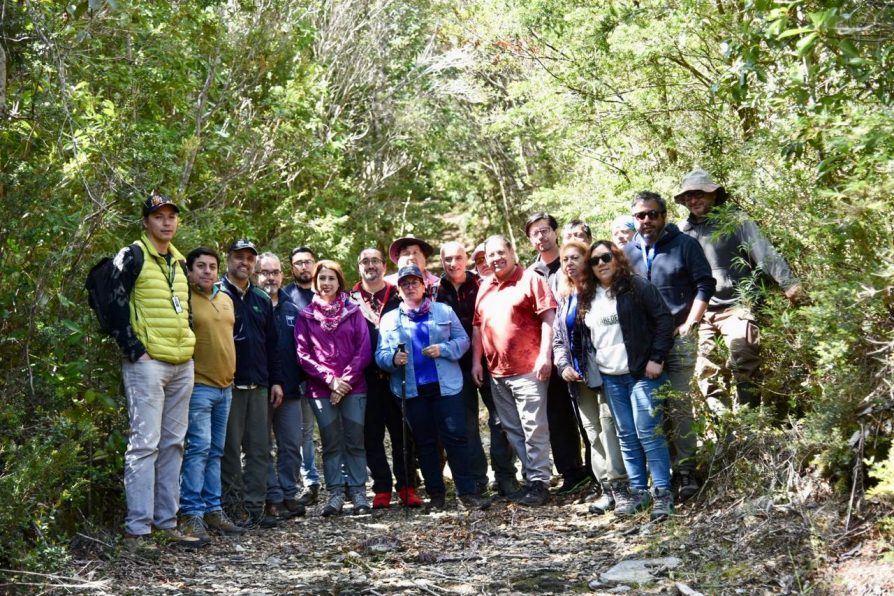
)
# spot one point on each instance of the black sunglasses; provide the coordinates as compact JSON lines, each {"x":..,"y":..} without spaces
{"x":642,"y":215}
{"x":605,"y":257}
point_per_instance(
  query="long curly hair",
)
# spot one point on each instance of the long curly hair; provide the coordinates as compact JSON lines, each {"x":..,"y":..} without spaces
{"x":622,"y":282}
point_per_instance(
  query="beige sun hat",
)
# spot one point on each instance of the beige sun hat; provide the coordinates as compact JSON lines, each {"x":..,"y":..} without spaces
{"x":697,"y":179}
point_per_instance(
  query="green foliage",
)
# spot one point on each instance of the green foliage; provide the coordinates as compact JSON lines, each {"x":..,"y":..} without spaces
{"x":338,"y":126}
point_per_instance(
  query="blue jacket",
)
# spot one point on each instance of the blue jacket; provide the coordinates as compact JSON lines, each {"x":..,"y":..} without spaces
{"x":444,"y":329}
{"x":285,"y":313}
{"x":255,"y":336}
{"x":680,"y":270}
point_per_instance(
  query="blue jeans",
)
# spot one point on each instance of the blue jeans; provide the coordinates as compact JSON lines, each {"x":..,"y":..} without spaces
{"x":444,"y":418}
{"x":341,"y":431}
{"x":284,"y":473}
{"x":209,"y":408}
{"x":309,"y":471}
{"x":638,"y":415}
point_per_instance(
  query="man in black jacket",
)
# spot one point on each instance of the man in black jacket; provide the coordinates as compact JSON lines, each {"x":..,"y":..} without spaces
{"x":676,"y":265}
{"x":258,"y":368}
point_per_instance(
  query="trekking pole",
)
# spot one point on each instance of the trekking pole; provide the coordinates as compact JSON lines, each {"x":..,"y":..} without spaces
{"x":403,"y":435}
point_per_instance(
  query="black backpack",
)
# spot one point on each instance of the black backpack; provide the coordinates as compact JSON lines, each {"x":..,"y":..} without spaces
{"x":100,"y":292}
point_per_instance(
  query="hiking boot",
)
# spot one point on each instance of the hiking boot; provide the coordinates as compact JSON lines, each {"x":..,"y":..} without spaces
{"x":633,"y":502}
{"x":507,"y":486}
{"x":473,"y":502}
{"x":409,"y":497}
{"x":572,"y":484}
{"x":360,"y":503}
{"x":662,"y":504}
{"x":141,"y":546}
{"x":382,"y":500}
{"x":194,"y":525}
{"x":606,"y":502}
{"x":293,"y":508}
{"x":519,"y":494}
{"x":536,"y":495}
{"x":435,"y":503}
{"x":686,"y":485}
{"x":334,"y":505}
{"x":259,"y":519}
{"x":274,"y":510}
{"x":177,"y":538}
{"x":310,"y":495}
{"x":218,"y":521}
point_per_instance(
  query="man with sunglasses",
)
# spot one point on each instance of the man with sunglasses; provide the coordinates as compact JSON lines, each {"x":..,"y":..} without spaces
{"x":736,"y":249}
{"x":676,"y":265}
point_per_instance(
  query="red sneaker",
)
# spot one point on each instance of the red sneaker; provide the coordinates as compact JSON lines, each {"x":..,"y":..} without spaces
{"x":382,"y":501}
{"x":409,"y":497}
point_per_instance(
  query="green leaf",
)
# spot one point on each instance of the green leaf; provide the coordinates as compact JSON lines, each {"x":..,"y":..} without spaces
{"x":806,"y":44}
{"x":794,"y":32}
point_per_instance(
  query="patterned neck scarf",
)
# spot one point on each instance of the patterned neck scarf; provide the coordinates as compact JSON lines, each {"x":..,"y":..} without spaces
{"x":327,"y":314}
{"x":417,"y":313}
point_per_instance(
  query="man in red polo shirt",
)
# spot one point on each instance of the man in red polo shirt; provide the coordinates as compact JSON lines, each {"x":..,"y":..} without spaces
{"x":512,"y":327}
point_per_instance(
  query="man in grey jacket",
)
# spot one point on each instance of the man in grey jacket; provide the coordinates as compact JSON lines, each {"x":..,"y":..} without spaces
{"x":736,"y":250}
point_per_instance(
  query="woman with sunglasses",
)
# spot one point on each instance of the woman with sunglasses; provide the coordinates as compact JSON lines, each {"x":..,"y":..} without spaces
{"x":631,"y":332}
{"x":332,"y":342}
{"x":420,"y":344}
{"x":572,"y":354}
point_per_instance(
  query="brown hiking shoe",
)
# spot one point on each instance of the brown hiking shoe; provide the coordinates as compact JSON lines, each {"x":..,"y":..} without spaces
{"x":218,"y":521}
{"x":177,"y":538}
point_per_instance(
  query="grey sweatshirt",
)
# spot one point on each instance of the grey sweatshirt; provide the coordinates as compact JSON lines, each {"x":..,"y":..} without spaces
{"x":725,"y":242}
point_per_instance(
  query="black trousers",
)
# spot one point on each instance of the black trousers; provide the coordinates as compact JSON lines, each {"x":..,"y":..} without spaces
{"x":565,"y":430}
{"x":383,"y":411}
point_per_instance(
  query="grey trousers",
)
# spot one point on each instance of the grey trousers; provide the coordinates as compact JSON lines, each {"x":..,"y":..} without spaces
{"x":521,"y":403}
{"x":605,"y":450}
{"x":246,"y":434}
{"x":158,"y":408}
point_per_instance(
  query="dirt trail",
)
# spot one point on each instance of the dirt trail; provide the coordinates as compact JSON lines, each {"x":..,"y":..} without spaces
{"x":559,"y":548}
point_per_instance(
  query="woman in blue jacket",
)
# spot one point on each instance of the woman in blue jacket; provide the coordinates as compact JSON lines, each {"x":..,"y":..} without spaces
{"x":424,"y":340}
{"x":631,"y":332}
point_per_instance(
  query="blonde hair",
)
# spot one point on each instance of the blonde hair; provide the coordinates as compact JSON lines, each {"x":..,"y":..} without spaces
{"x":568,"y":286}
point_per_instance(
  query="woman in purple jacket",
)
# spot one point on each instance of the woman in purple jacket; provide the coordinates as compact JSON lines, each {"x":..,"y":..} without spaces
{"x":332,"y":342}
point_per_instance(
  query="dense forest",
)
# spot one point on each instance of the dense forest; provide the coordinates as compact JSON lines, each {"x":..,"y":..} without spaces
{"x":346,"y":123}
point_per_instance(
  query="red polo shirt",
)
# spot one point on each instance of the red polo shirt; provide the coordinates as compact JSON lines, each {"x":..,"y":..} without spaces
{"x":508,"y":314}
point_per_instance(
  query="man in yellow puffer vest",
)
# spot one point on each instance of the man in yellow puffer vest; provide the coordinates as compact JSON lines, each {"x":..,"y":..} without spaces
{"x":151,"y":322}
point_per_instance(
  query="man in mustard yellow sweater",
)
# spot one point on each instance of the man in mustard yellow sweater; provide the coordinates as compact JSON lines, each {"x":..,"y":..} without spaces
{"x":151,"y":322}
{"x":213,"y":316}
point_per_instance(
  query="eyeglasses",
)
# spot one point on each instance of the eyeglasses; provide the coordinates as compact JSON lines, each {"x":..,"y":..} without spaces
{"x":694,"y":194}
{"x":605,"y":257}
{"x":408,"y":284}
{"x":372,"y":261}
{"x":266,"y":273}
{"x":540,"y":231}
{"x":652,"y":214}
{"x":302,"y":263}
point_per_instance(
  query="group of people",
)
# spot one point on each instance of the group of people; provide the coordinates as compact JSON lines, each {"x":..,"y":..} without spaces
{"x":583,"y":360}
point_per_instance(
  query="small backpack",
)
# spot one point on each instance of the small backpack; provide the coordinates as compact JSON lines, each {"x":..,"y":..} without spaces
{"x":100,"y":292}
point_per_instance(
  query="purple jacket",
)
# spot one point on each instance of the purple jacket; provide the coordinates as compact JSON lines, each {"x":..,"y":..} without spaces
{"x":324,"y":355}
